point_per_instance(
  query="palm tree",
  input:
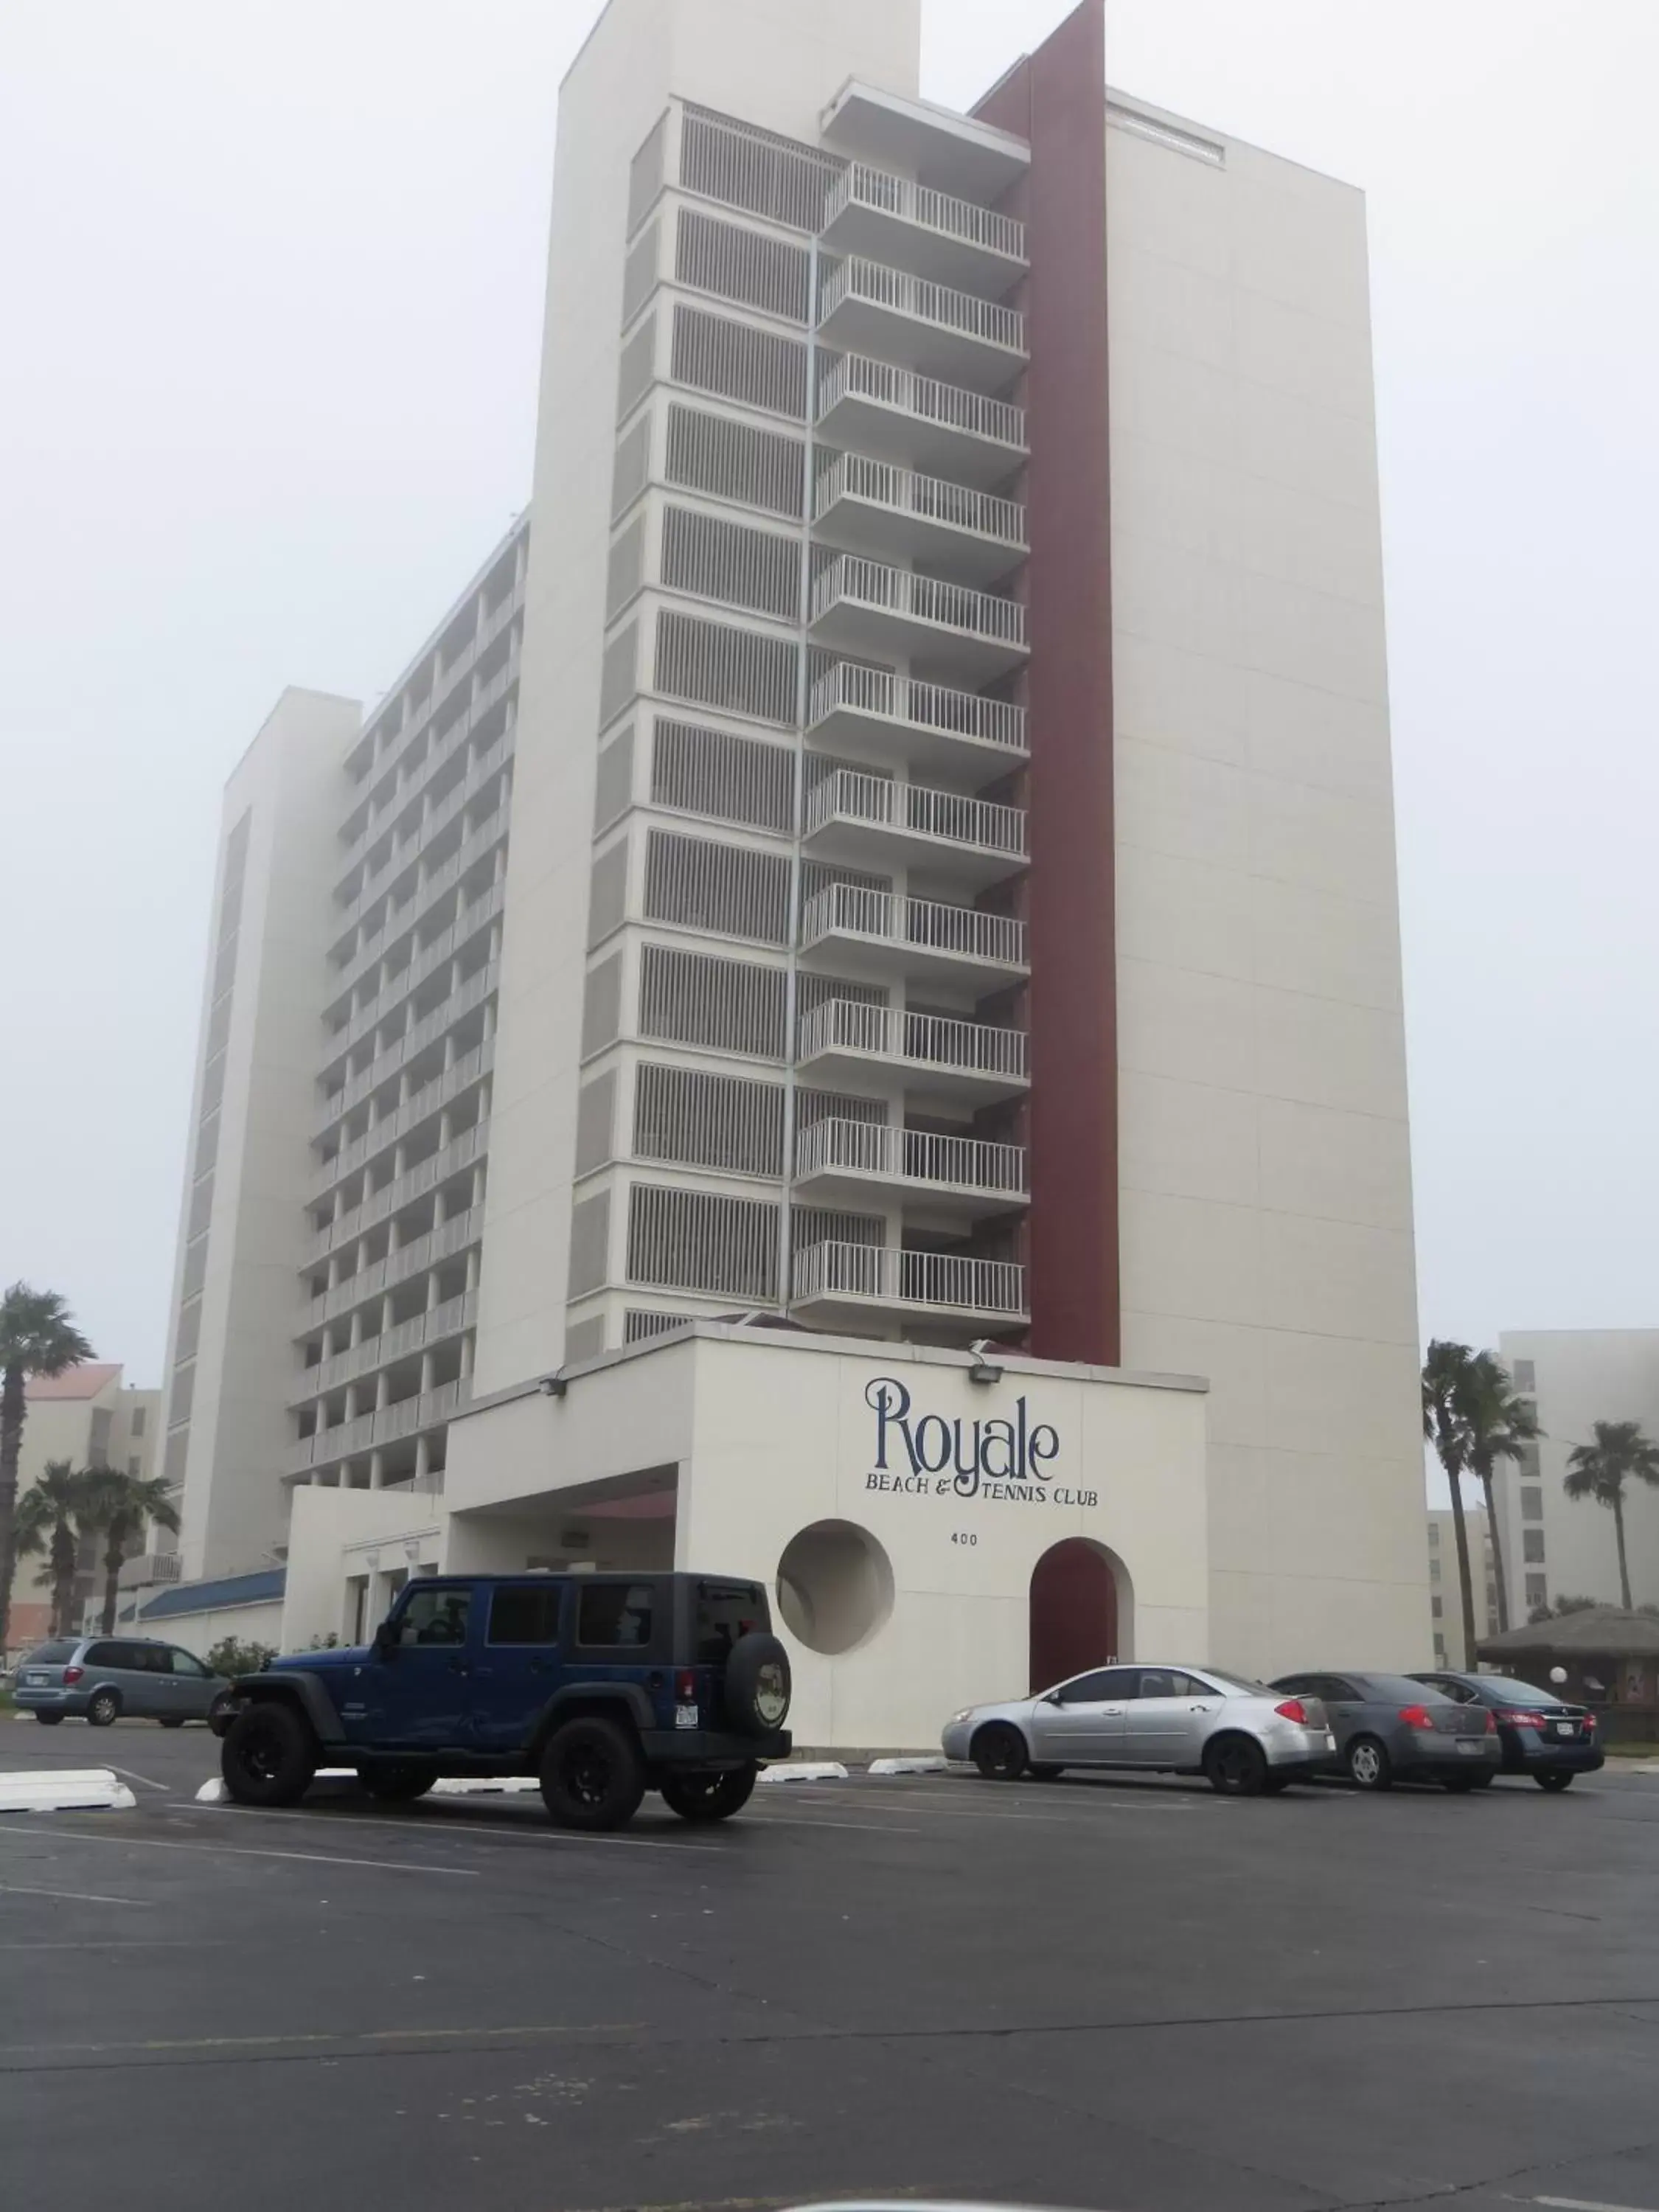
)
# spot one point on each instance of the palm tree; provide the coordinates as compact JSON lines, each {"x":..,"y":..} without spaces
{"x":52,"y":1517}
{"x":38,"y":1336}
{"x":120,"y":1506}
{"x":1600,"y":1471}
{"x":1445,"y":1424}
{"x":1499,"y":1426}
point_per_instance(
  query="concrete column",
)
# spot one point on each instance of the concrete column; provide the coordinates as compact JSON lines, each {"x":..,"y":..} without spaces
{"x":382,"y":1391}
{"x":472,"y":1268}
{"x":477,"y":1182}
{"x":385,"y":1313}
{"x":433,"y":1300}
{"x":335,"y":1260}
{"x":422,"y":1458}
{"x":351,"y":1401}
{"x":339,"y":1201}
{"x":377,"y":1470}
{"x":445,"y":1128}
{"x":399,"y":1160}
{"x":428,"y":1370}
{"x":356,"y":1335}
{"x":467,"y":1356}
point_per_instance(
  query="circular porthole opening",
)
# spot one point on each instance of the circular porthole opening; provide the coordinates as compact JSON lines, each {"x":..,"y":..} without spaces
{"x":834,"y":1586}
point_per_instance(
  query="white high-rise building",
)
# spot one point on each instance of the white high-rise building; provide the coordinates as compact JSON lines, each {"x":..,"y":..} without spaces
{"x":950,"y":892}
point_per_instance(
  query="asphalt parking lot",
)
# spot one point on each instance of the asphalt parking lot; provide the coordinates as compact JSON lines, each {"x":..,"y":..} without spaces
{"x":1092,"y":1992}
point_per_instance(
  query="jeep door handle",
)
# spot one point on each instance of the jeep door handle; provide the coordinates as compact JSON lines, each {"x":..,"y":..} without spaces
{"x":458,"y":1666}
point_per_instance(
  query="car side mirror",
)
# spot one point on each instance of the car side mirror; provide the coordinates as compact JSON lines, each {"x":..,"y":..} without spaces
{"x":1051,"y":1697}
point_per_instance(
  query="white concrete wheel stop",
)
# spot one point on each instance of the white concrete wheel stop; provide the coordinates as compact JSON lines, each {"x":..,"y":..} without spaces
{"x":915,"y":1763}
{"x":453,"y":1785}
{"x":806,"y":1769}
{"x":71,"y":1789}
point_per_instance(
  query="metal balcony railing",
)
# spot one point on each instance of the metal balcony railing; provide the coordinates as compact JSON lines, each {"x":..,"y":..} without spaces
{"x":443,"y":1242}
{"x":390,"y":1345}
{"x":945,"y":308}
{"x":855,"y":376}
{"x":848,"y":687}
{"x":877,"y":1274}
{"x":851,"y":581}
{"x":849,"y":795}
{"x":350,"y":1439}
{"x":911,"y":1155}
{"x":928,"y":499}
{"x":145,"y":1568}
{"x":381,"y":1136}
{"x":929,"y":1042}
{"x":861,"y":185}
{"x":848,"y":910}
{"x":461,"y":1152}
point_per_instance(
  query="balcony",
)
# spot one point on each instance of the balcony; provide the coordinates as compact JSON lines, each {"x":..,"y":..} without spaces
{"x":872,"y":213}
{"x":865,"y":607}
{"x":868,"y":714}
{"x":841,"y":1162}
{"x":871,"y":507}
{"x":873,"y":821}
{"x":368,"y":1431}
{"x":414,"y":1041}
{"x":916,"y":421}
{"x":866,"y":307}
{"x":881,"y":935}
{"x":461,"y":1152}
{"x":403,"y":1339}
{"x":834,"y":1281}
{"x":381,"y":1136}
{"x":844,"y":1042}
{"x":439,"y":754}
{"x":444,"y":1242}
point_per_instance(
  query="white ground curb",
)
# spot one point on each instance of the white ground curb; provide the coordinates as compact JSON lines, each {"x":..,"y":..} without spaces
{"x":494,"y":1785}
{"x":213,"y":1793}
{"x":71,"y":1789}
{"x":918,"y":1765}
{"x":827,"y":1770}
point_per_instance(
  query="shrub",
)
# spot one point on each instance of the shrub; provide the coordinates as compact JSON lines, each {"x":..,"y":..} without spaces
{"x":230,"y":1655}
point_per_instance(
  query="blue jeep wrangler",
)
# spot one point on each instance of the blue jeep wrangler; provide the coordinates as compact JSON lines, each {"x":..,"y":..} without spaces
{"x":603,"y":1686}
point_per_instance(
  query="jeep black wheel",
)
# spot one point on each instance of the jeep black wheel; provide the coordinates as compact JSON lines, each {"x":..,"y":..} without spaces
{"x":592,"y":1775}
{"x":756,"y":1692}
{"x":270,"y":1755}
{"x":705,"y":1797}
{"x":400,"y":1782}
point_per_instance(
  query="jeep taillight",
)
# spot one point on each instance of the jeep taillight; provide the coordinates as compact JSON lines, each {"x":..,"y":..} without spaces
{"x":686,"y":1687}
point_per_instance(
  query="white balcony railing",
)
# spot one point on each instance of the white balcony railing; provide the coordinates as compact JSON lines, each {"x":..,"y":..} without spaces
{"x":877,"y":1274}
{"x":408,"y":851}
{"x":415,"y":1040}
{"x":381,"y":1136}
{"x":941,"y":305}
{"x":849,"y":795}
{"x":472,"y":918}
{"x":425,"y":962}
{"x":397,"y":1342}
{"x":350,"y":1439}
{"x":446,"y":748}
{"x":415,"y":1258}
{"x":922,"y":498}
{"x":461,"y":1152}
{"x":855,"y":376}
{"x":889,"y":1154}
{"x":850,"y":688}
{"x":930,"y":1041}
{"x":861,"y":185}
{"x":887,"y":917}
{"x":145,"y":1568}
{"x":443,"y":688}
{"x":851,"y":581}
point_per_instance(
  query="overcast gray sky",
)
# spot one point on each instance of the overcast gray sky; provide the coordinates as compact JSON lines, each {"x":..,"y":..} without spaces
{"x":272,"y":298}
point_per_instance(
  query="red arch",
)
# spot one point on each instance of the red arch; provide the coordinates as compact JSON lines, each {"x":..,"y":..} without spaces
{"x":1073,"y":1612}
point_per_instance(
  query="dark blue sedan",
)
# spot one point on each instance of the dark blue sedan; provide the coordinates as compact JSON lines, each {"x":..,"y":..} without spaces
{"x":1540,"y":1733}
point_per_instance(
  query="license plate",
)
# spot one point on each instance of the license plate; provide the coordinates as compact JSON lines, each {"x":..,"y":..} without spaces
{"x":35,"y":1678}
{"x":1563,"y":1728}
{"x":1471,"y":1750}
{"x":685,"y":1716}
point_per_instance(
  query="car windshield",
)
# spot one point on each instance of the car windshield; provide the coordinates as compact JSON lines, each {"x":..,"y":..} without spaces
{"x":1517,"y":1693}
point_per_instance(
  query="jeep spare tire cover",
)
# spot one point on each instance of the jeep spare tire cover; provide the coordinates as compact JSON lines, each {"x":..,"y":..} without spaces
{"x":757,"y":1685}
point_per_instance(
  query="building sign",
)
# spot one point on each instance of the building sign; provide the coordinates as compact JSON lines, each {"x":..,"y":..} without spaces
{"x":928,"y":1455}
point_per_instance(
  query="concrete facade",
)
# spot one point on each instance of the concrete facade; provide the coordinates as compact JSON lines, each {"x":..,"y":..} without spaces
{"x":91,"y":1418}
{"x":1445,"y":1600}
{"x":778,"y":997}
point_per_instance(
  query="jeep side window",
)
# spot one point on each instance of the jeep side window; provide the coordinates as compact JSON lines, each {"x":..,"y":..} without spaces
{"x":435,"y":1617}
{"x":615,"y":1614}
{"x":524,"y":1613}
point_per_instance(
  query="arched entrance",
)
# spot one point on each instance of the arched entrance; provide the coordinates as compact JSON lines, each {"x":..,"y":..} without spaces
{"x":1080,"y":1608}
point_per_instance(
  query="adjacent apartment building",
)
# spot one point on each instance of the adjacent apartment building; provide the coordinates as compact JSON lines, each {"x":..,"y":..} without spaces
{"x":1445,"y":1598}
{"x":898,"y":841}
{"x":1555,"y":1547}
{"x":90,"y":1418}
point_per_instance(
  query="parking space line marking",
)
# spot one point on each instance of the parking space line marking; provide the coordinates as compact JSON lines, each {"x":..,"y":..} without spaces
{"x":441,"y":1829}
{"x":1583,"y":2204}
{"x":859,"y":1827}
{"x":340,"y":2035}
{"x":247,"y":1851}
{"x":128,"y":1775}
{"x":69,"y":1896}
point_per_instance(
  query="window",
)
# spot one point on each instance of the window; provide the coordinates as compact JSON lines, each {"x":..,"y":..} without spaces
{"x":435,"y":1617}
{"x":1537,"y":1589}
{"x":1439,"y":1647}
{"x":52,"y":1655}
{"x":1434,"y":1571}
{"x":726,"y":1611}
{"x":186,"y":1662}
{"x":615,"y":1614}
{"x":1523,"y":1375}
{"x":1437,"y":1607}
{"x":1531,"y":1546}
{"x":1434,"y":1535}
{"x":1109,"y":1684}
{"x":138,"y":1421}
{"x":134,"y":1468}
{"x":1532,"y":1504}
{"x":1166,"y":1682}
{"x":525,"y":1613}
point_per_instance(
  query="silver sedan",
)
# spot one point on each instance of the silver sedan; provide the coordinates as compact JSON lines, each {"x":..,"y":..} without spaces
{"x":1242,"y":1737}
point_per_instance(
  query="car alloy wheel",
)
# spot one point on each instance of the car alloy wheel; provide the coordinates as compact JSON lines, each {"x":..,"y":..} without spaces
{"x":1236,"y":1766}
{"x":1367,"y":1764}
{"x":104,"y":1709}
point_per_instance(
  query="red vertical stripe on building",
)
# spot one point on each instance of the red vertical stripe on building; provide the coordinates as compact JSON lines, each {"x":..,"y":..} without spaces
{"x":1056,"y":99}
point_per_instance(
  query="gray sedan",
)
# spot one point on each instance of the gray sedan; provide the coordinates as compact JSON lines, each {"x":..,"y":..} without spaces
{"x":1244,"y":1738}
{"x":1390,"y":1728}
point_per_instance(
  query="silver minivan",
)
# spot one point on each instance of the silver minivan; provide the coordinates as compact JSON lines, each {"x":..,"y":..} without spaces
{"x":103,"y":1677}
